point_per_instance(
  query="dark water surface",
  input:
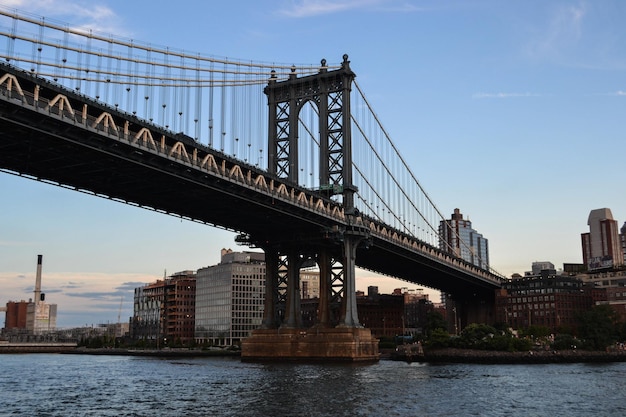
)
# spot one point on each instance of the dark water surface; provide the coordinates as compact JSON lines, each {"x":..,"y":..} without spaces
{"x":83,"y":385}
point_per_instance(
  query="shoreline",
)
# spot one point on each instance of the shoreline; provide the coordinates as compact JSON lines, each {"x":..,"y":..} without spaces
{"x":436,"y":356}
{"x":71,"y":349}
{"x":153,"y":352}
{"x":452,"y":355}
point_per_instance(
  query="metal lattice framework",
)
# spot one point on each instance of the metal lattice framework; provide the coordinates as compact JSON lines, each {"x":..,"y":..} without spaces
{"x":329,"y":91}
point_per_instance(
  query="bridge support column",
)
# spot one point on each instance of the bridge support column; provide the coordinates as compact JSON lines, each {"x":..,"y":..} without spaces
{"x":348,"y":342}
{"x":349,"y":314}
{"x":270,"y":308}
{"x":324,"y":262}
{"x":353,"y":236}
{"x":293,"y":314}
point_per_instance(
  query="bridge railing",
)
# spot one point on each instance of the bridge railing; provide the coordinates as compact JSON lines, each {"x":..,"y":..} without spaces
{"x":399,"y":238}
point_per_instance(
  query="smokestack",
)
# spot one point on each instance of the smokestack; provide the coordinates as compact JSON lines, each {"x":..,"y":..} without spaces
{"x":38,"y":280}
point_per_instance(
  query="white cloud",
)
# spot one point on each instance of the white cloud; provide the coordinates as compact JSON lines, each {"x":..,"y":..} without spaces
{"x":503,"y":95}
{"x":308,"y":8}
{"x":78,"y":14}
{"x":14,"y":3}
{"x":562,"y":33}
{"x":94,"y":297}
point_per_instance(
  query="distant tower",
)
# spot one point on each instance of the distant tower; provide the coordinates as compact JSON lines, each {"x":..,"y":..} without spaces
{"x":40,"y":316}
{"x":601,"y":246}
{"x":623,"y":238}
{"x":539,"y":266}
{"x":457,"y":237}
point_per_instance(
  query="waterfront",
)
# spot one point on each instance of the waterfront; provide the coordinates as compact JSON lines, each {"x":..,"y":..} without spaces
{"x":81,"y":385}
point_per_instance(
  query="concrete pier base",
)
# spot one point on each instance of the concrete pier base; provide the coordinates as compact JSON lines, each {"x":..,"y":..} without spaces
{"x":315,"y":344}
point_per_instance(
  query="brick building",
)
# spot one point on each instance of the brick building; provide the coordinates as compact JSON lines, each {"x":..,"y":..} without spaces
{"x":546,"y":299}
{"x":16,"y":312}
{"x":164,"y":311}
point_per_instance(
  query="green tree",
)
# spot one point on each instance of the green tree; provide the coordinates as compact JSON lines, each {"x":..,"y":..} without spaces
{"x":439,"y":338}
{"x":598,"y":327}
{"x":477,"y":336}
{"x":535,"y":331}
{"x":435,"y":320}
{"x":565,"y":342}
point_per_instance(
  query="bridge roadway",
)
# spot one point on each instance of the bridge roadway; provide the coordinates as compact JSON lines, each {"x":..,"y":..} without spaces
{"x":53,"y":134}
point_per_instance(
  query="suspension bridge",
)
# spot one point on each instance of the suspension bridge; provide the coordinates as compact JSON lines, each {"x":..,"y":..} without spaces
{"x":291,"y":157}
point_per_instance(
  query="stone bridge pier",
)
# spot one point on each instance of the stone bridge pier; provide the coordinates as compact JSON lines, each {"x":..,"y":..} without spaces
{"x":282,"y":335}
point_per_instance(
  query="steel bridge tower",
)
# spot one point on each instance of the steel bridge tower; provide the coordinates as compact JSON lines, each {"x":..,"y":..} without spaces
{"x":335,"y":336}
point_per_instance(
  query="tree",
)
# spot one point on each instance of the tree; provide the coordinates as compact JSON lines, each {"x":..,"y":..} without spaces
{"x":439,"y":338}
{"x":435,"y":321}
{"x":565,"y":342}
{"x":535,"y":331}
{"x":477,"y":336}
{"x":598,"y":327}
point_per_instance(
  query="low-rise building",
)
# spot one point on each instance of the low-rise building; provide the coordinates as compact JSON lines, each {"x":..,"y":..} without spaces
{"x":15,"y":316}
{"x":546,"y":299}
{"x":404,"y":312}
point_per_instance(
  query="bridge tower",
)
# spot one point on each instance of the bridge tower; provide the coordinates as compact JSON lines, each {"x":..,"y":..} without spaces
{"x":281,"y":335}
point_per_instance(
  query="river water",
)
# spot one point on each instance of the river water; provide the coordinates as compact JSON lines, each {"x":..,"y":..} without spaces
{"x":84,"y":385}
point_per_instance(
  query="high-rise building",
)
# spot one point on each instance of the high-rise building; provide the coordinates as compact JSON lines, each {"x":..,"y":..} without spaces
{"x":456,"y":236}
{"x":230,"y":298}
{"x":41,"y":317}
{"x":164,"y":311}
{"x":623,"y":238}
{"x":537,"y":267}
{"x":602,"y":248}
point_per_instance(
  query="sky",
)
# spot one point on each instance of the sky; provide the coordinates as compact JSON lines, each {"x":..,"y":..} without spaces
{"x":513,"y":112}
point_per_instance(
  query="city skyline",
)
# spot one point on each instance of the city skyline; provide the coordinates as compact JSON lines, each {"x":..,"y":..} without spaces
{"x":511,"y":113}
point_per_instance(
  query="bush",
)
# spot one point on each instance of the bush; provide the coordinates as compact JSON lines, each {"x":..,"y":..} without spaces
{"x":385,"y":342}
{"x":521,"y":345}
{"x":439,"y":338}
{"x":565,"y":342}
{"x":501,"y":342}
{"x":477,"y":336}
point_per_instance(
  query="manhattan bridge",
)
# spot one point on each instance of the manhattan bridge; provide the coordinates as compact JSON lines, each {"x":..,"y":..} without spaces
{"x":291,"y":157}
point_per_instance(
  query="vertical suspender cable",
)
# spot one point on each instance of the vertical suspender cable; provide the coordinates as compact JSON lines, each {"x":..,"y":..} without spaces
{"x":129,"y":71}
{"x":197,"y":116}
{"x":11,"y":39}
{"x":223,"y":110}
{"x":211,"y":90}
{"x":40,"y":45}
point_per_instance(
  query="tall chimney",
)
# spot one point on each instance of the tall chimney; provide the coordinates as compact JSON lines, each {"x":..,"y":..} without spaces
{"x":38,"y":280}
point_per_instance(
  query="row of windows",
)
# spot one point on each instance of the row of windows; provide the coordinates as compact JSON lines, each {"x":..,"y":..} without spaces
{"x":532,"y":299}
{"x":533,"y":306}
{"x":539,"y":313}
{"x":247,"y":308}
{"x":543,"y":291}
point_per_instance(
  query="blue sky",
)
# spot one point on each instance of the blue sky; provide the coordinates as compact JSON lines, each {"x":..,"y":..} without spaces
{"x":511,"y":111}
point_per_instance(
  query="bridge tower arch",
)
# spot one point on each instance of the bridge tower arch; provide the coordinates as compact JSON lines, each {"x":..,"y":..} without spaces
{"x":329,"y":91}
